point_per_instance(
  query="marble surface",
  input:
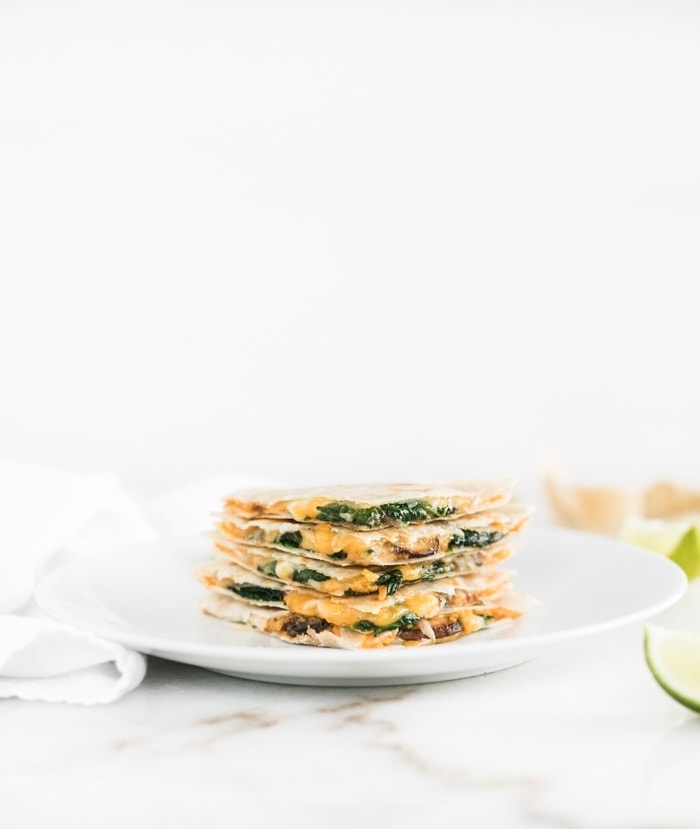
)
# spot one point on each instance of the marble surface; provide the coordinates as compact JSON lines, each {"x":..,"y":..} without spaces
{"x":580,"y":738}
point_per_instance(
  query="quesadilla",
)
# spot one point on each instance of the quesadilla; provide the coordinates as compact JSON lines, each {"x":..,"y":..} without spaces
{"x":296,"y":570}
{"x":446,"y":624}
{"x":372,"y":506}
{"x":393,"y":545}
{"x":225,"y":575}
{"x":366,"y":566}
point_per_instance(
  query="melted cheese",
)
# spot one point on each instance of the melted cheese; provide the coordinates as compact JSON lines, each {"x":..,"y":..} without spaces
{"x":340,"y":613}
{"x":232,"y":530}
{"x":302,"y":510}
{"x":322,"y":538}
{"x":326,"y":539}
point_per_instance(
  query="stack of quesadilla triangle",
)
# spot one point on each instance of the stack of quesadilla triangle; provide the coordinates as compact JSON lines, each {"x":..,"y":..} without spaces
{"x":366,"y":566}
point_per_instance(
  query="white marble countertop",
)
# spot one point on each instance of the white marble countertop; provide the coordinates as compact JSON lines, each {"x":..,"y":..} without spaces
{"x":580,"y":738}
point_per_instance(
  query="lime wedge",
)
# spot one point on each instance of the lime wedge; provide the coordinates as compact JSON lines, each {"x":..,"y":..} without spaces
{"x":686,"y":553}
{"x":653,"y":534}
{"x":679,"y":540}
{"x":674,"y":660}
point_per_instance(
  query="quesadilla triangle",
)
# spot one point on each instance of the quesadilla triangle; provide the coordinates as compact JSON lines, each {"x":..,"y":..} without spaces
{"x":393,"y":545}
{"x":447,"y":624}
{"x":415,"y":601}
{"x":295,"y":570}
{"x":372,"y":506}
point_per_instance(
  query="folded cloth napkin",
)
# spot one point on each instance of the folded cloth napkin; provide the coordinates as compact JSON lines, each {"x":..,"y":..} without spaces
{"x":44,"y":512}
{"x":45,"y":660}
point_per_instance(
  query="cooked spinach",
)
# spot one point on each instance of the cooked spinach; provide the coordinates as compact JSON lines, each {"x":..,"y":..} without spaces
{"x":406,"y":621}
{"x":474,"y":538}
{"x":487,"y":618}
{"x":398,"y":513}
{"x":306,"y":574}
{"x":289,"y":539}
{"x":365,"y":626}
{"x":392,"y":579}
{"x":256,"y":593}
{"x":345,"y":512}
{"x":338,"y":556}
{"x":269,"y":568}
{"x":408,"y":512}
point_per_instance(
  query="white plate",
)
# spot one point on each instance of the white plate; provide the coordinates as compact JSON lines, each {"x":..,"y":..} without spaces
{"x":146,"y":598}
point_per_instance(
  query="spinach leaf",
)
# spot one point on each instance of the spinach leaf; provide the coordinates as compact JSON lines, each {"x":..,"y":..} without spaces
{"x":386,"y":515}
{"x":406,"y":621}
{"x":256,"y":593}
{"x":306,"y":574}
{"x":365,"y":626}
{"x":289,"y":539}
{"x":392,"y":579}
{"x":344,"y":512}
{"x":408,"y":512}
{"x":338,"y":556}
{"x":474,"y":538}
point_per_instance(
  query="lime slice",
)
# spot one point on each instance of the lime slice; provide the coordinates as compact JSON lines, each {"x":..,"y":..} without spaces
{"x":686,"y":553}
{"x":679,"y":540}
{"x":653,"y":534}
{"x":674,"y":659}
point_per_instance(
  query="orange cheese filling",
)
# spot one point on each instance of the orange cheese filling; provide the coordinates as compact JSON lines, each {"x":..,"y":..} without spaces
{"x":338,"y":613}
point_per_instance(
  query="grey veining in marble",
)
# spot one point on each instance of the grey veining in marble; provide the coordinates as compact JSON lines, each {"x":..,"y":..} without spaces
{"x":580,"y":739}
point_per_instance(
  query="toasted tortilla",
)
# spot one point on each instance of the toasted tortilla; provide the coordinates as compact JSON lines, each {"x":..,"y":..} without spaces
{"x":393,"y":545}
{"x":300,"y":629}
{"x":292,"y":569}
{"x":372,"y":506}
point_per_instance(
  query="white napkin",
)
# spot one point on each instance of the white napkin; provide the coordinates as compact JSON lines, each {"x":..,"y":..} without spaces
{"x":45,"y":660}
{"x":43,"y":511}
{"x":48,"y":511}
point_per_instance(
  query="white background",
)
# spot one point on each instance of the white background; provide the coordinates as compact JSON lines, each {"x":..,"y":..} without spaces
{"x":349,"y":239}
